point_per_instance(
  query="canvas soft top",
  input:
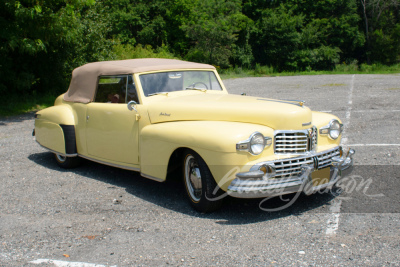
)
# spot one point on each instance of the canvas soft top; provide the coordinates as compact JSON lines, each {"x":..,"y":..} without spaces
{"x":84,"y":79}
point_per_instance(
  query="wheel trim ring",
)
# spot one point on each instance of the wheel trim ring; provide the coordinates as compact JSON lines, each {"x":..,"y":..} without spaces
{"x":190,"y":162}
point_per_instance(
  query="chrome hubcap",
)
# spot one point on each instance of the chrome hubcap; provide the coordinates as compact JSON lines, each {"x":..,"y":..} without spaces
{"x":61,"y":158}
{"x":193,"y":178}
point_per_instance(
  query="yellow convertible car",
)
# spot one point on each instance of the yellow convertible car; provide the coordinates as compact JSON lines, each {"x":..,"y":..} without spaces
{"x":155,"y":115}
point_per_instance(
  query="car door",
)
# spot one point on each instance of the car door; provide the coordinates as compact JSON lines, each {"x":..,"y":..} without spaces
{"x":111,"y":128}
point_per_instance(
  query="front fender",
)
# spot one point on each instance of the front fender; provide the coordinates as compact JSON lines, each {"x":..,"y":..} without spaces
{"x":321,"y":119}
{"x":214,"y":141}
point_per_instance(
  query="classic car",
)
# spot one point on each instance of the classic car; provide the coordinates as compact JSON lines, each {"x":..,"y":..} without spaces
{"x":156,"y":115}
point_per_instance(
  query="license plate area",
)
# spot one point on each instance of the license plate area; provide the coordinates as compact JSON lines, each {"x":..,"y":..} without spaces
{"x":321,"y":177}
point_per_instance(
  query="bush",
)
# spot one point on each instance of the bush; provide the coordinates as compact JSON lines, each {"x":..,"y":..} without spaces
{"x":127,"y":51}
{"x":262,"y":70}
{"x":351,"y":67}
{"x":238,"y":70}
{"x":365,"y":68}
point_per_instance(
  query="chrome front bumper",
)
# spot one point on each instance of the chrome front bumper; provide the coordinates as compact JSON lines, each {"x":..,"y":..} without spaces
{"x":256,"y":184}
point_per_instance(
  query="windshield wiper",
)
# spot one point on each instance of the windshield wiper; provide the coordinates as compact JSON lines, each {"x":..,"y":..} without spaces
{"x":195,"y":88}
{"x":158,"y":93}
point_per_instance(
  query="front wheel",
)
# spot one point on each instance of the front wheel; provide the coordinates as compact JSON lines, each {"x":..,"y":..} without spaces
{"x":67,"y":162}
{"x":202,"y":190}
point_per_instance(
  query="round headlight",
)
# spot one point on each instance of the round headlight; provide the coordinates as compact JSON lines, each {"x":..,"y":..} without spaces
{"x":257,"y":143}
{"x":335,"y":129}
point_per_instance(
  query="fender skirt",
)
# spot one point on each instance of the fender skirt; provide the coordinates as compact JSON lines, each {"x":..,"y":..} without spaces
{"x":69,"y":136}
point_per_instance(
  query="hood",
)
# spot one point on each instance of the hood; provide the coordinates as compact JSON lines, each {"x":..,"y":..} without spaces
{"x":276,"y":114}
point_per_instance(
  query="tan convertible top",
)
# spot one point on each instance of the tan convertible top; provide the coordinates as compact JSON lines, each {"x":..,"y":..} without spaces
{"x":84,"y":78}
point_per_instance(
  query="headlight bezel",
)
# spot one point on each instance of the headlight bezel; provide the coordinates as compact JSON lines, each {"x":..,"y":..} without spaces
{"x":328,"y":129}
{"x":247,"y":146}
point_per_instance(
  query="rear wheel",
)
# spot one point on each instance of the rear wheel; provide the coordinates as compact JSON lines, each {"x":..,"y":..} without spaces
{"x":202,"y":190}
{"x":67,"y":162}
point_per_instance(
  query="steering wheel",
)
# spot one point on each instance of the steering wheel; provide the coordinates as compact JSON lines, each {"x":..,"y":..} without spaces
{"x":193,"y":85}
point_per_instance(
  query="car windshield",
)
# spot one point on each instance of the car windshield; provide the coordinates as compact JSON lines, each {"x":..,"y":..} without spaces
{"x":164,"y":82}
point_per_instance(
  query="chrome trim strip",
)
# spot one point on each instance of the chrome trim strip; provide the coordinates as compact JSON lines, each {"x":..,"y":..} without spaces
{"x":111,"y":164}
{"x":290,"y":149}
{"x":55,"y":152}
{"x":299,"y":103}
{"x":254,"y":174}
{"x":296,"y":100}
{"x":291,"y":131}
{"x":152,"y":177}
{"x":306,"y":124}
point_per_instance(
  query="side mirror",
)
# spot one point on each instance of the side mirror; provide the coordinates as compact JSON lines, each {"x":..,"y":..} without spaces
{"x":131,"y":105}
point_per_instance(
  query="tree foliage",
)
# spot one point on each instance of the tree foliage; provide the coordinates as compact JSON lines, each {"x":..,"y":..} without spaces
{"x":382,"y":29}
{"x":212,"y":27}
{"x":42,"y":41}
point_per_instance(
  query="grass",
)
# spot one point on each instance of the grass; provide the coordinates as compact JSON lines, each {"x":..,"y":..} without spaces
{"x":19,"y":106}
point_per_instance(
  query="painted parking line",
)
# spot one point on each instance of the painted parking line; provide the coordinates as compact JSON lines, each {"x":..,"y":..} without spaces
{"x":334,"y":217}
{"x":363,"y":111}
{"x":349,"y":109}
{"x":378,"y":110}
{"x":333,"y":220}
{"x":59,"y":263}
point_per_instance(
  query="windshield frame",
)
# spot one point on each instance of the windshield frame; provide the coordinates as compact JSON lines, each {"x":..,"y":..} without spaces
{"x":212,"y":80}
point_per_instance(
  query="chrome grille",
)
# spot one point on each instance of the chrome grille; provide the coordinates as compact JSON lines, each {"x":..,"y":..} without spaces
{"x":291,"y":142}
{"x":295,"y":142}
{"x":291,"y":167}
{"x":325,"y":159}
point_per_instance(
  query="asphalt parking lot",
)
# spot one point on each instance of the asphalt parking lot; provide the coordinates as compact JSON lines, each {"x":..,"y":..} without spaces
{"x":55,"y":217}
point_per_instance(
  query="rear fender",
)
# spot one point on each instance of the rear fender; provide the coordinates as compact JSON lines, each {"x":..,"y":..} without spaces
{"x":55,"y":129}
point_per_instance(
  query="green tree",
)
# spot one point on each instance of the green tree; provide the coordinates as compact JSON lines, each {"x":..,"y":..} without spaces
{"x":213,"y":26}
{"x":42,"y":41}
{"x":382,"y":30}
{"x":278,"y":37}
{"x":137,"y":21}
{"x":337,"y":22}
{"x":305,"y":34}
